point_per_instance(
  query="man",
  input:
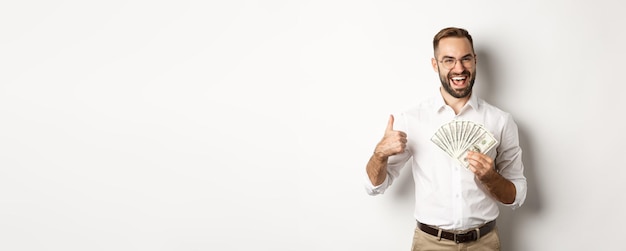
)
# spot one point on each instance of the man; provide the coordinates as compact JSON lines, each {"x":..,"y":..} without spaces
{"x":455,"y":207}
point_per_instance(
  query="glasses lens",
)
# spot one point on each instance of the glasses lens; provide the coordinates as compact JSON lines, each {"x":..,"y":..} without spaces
{"x":449,"y":63}
{"x":468,"y":61}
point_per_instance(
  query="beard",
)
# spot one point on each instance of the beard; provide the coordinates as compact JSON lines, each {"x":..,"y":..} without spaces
{"x":457,"y":93}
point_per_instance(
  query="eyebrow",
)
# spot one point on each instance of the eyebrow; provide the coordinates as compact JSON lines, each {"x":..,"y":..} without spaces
{"x":466,"y":55}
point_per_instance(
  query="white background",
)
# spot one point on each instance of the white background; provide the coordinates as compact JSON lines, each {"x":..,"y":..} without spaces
{"x":246,"y":125}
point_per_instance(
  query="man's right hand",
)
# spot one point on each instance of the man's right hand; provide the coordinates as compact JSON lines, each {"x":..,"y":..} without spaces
{"x":393,"y":142}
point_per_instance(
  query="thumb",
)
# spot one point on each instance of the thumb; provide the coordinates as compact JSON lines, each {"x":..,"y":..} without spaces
{"x":390,"y":124}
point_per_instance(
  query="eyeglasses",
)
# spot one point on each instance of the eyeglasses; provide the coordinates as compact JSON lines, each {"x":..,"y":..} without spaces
{"x":449,"y":63}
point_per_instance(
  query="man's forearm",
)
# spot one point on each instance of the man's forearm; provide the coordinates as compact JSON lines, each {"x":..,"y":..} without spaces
{"x":501,"y":188}
{"x":377,"y":169}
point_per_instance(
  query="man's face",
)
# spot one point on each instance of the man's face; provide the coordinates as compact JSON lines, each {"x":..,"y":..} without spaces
{"x":456,"y":78}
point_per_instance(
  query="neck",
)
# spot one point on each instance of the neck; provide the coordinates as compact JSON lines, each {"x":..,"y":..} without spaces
{"x":455,"y":103}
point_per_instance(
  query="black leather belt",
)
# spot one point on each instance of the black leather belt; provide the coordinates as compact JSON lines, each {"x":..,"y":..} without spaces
{"x":470,"y":235}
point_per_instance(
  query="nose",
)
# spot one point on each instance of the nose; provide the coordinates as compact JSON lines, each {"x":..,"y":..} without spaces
{"x":458,"y":67}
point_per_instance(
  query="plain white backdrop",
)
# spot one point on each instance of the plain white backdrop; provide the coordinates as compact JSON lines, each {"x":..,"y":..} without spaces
{"x":246,"y":125}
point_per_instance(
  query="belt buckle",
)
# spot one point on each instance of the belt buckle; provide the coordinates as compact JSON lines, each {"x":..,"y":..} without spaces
{"x":471,"y":235}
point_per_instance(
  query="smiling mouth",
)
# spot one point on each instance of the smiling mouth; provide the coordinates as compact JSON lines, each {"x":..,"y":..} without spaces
{"x":459,"y":80}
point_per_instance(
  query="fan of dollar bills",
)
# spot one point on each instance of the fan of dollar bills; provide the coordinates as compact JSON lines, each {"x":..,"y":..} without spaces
{"x":460,"y":136}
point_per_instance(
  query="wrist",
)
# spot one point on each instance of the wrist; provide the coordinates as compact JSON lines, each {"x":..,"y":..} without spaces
{"x":490,"y":176}
{"x":380,"y":157}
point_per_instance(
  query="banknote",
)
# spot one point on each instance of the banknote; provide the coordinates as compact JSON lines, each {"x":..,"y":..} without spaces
{"x":483,"y":145}
{"x":458,"y":137}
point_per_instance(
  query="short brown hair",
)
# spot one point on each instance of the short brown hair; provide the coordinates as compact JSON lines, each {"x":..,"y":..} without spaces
{"x":451,"y":32}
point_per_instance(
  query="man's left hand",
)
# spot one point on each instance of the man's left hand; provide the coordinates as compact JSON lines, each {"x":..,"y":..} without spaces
{"x":480,"y":164}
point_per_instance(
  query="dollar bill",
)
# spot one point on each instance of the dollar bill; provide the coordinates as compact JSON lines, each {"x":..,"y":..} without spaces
{"x":458,"y":137}
{"x":483,"y":145}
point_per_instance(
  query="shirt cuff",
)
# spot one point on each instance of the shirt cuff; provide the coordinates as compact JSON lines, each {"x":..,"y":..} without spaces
{"x":375,"y":190}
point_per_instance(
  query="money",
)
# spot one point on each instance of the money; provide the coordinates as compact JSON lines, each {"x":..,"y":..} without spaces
{"x":458,"y":137}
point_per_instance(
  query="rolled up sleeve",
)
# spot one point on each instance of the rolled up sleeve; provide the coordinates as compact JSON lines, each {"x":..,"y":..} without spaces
{"x":509,"y":161}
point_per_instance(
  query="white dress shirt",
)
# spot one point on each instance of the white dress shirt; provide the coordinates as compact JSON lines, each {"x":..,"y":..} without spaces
{"x":448,"y":195}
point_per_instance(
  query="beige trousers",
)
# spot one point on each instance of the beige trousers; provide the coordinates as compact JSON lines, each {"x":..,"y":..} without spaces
{"x":426,"y":242}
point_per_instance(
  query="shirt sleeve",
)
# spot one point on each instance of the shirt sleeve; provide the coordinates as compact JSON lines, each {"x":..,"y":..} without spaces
{"x":395,"y":163}
{"x":509,"y":161}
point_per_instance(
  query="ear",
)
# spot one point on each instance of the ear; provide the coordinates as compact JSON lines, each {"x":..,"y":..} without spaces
{"x":433,"y":61}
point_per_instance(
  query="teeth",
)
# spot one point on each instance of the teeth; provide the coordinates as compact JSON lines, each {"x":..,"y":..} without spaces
{"x":458,"y":78}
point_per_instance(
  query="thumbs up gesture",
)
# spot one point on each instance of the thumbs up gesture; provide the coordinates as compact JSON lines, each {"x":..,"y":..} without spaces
{"x":393,"y":142}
